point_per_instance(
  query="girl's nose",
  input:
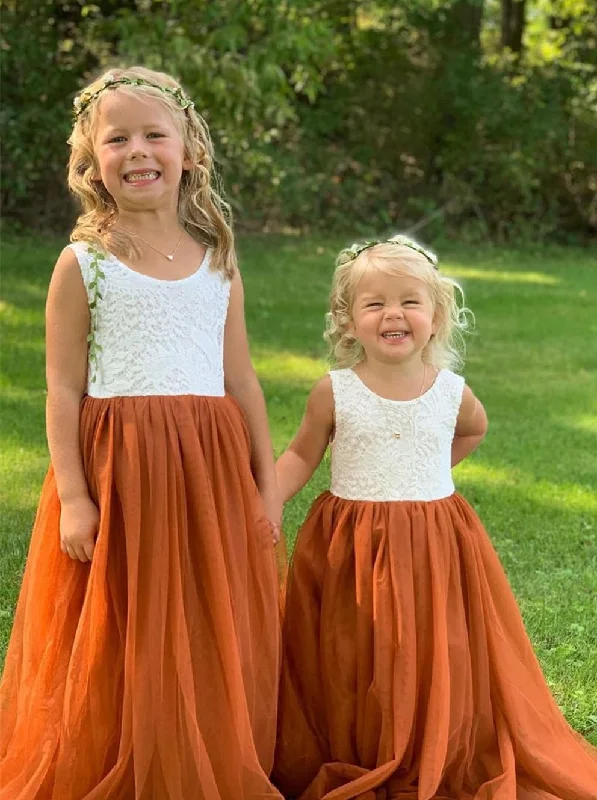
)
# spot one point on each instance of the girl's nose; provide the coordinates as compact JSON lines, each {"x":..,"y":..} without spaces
{"x":394,"y":312}
{"x":137,"y":149}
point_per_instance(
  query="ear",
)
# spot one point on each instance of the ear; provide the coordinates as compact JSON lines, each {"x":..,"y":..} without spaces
{"x":187,"y":163}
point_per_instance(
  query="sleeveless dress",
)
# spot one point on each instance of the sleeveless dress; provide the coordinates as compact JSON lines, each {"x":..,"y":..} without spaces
{"x":407,"y":672}
{"x":151,"y":673}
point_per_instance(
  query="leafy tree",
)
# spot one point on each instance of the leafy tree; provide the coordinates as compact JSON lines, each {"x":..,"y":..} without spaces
{"x":475,"y":115}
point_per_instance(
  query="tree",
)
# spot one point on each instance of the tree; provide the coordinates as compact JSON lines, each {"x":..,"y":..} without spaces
{"x":513,"y":24}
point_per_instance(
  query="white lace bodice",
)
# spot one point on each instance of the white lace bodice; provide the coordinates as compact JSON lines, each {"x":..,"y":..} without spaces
{"x":393,"y":449}
{"x":157,"y":337}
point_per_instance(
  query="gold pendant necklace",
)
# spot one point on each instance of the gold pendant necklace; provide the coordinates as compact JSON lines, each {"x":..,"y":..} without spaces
{"x":398,"y":434}
{"x":164,"y":255}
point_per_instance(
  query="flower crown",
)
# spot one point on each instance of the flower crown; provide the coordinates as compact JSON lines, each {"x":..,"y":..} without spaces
{"x":355,"y":250}
{"x":83,"y":100}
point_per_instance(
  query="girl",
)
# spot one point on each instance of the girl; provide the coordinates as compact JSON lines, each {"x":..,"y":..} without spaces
{"x":143,"y":662}
{"x":407,"y":671}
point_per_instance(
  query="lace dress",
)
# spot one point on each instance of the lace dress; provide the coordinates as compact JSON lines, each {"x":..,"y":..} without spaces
{"x":151,"y":673}
{"x":407,"y":672}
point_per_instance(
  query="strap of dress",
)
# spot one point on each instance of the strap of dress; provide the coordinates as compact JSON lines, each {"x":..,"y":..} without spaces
{"x":84,"y":258}
{"x":343,"y":387}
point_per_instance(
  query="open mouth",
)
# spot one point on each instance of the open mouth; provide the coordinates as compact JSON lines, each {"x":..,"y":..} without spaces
{"x":394,"y":335}
{"x":142,"y":177}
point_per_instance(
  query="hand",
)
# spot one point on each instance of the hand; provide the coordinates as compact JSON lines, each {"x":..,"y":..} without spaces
{"x":79,"y":521}
{"x":273,"y":510}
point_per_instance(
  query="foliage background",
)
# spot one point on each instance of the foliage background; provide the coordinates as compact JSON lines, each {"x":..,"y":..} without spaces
{"x":468,"y":117}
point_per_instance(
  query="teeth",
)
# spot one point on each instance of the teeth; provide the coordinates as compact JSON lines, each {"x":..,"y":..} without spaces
{"x":140,"y":176}
{"x":397,"y":335}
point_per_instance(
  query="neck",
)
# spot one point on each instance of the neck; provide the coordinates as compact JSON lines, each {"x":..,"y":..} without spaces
{"x":391,"y":371}
{"x":149,"y":224}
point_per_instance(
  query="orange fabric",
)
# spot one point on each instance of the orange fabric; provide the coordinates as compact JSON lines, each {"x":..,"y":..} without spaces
{"x":151,"y":674}
{"x":407,"y":671}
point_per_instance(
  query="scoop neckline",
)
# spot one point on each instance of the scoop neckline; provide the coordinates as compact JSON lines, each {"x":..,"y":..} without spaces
{"x":170,"y":281}
{"x":398,"y":402}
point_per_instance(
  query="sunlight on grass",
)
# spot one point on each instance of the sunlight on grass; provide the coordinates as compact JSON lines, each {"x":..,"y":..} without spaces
{"x":572,"y":496}
{"x":21,"y":472}
{"x":500,"y":276}
{"x":279,"y":365}
{"x":486,"y":475}
{"x":586,"y":422}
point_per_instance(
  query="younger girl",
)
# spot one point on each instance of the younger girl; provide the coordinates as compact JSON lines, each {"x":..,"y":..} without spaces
{"x":143,"y":662}
{"x":407,"y":671}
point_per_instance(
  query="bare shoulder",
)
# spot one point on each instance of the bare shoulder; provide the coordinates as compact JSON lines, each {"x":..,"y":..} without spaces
{"x":67,"y":268}
{"x":321,"y":399}
{"x":236,"y":302}
{"x":471,"y":416}
{"x":67,"y":261}
{"x":67,"y":287}
{"x":468,"y":402}
{"x":236,"y":282}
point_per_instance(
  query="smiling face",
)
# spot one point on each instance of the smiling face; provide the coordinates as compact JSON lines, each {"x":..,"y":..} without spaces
{"x":139,"y":151}
{"x":392,"y":316}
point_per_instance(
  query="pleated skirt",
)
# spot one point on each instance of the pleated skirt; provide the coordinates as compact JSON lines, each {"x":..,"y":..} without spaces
{"x":407,"y":672}
{"x":151,"y":673}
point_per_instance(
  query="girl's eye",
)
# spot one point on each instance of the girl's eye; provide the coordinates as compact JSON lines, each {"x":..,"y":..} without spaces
{"x":411,"y":302}
{"x":373,"y":305}
{"x":155,"y":135}
{"x":117,"y":139}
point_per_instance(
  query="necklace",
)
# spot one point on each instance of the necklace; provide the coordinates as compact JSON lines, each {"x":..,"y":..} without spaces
{"x":165,"y":255}
{"x":397,"y":434}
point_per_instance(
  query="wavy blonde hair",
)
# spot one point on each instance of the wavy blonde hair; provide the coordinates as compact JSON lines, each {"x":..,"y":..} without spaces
{"x":201,"y":209}
{"x":445,"y":348}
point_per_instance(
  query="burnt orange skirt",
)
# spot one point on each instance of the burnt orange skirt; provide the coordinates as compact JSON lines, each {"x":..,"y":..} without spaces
{"x":407,"y":671}
{"x":151,"y":673}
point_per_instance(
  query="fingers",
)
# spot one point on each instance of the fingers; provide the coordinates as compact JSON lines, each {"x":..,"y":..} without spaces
{"x":70,"y":552}
{"x":78,"y":552}
{"x":88,"y":549}
{"x":275,"y":530}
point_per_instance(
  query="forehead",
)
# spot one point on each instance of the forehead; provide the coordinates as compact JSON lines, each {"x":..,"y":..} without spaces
{"x":124,"y":109}
{"x":377,"y":281}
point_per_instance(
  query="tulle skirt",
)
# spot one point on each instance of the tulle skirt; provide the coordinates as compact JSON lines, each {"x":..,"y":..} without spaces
{"x":407,"y":671}
{"x":152,"y":673}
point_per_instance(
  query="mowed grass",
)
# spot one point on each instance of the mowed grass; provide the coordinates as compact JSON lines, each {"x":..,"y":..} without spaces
{"x":532,"y":361}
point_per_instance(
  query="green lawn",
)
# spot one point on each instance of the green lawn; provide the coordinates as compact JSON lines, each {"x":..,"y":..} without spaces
{"x":532,"y":361}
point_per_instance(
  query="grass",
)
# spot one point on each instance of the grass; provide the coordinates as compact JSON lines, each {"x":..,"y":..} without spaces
{"x":532,"y":361}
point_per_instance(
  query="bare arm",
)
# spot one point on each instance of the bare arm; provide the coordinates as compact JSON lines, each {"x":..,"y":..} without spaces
{"x":296,"y":466}
{"x":471,"y":427}
{"x":241,"y":381}
{"x":67,"y":326}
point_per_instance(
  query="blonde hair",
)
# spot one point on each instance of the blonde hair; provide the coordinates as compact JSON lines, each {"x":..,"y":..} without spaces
{"x":201,"y":209}
{"x":445,"y":349}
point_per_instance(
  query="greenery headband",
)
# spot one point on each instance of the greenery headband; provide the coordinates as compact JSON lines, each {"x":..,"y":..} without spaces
{"x":83,"y":100}
{"x":355,"y":250}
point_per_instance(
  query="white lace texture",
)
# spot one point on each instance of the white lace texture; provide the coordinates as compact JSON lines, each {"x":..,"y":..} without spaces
{"x":156,"y":337}
{"x":391,"y":449}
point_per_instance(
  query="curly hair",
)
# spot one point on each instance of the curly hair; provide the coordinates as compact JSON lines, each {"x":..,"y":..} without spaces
{"x":445,"y":349}
{"x":201,"y":209}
